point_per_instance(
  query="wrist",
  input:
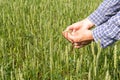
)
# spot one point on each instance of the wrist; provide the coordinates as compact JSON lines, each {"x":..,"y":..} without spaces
{"x":89,"y":23}
{"x":88,"y":36}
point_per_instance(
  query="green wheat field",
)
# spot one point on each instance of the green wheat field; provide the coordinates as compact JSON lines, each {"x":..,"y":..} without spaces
{"x":32,"y":46}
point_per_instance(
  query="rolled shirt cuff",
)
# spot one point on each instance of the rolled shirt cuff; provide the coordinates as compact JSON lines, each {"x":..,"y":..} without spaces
{"x":101,"y":37}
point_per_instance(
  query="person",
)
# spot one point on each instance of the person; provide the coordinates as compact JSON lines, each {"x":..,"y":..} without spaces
{"x":106,"y":18}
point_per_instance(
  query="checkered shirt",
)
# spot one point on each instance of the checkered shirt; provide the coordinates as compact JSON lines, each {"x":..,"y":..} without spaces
{"x":107,"y":21}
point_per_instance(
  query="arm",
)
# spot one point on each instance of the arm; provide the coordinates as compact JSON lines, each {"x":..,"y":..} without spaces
{"x":101,"y":18}
{"x":109,"y":32}
{"x":105,"y":11}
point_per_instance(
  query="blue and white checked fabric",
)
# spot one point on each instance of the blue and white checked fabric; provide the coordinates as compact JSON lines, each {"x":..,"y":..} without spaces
{"x":107,"y":20}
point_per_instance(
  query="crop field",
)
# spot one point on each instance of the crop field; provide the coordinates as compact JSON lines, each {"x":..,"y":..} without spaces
{"x":32,"y":46}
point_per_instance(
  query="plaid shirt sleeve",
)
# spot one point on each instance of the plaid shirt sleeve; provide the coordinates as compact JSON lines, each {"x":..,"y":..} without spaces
{"x":105,"y":11}
{"x":107,"y":21}
{"x":108,"y":32}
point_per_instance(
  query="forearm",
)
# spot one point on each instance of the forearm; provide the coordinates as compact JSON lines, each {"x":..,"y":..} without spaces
{"x":109,"y":32}
{"x":105,"y":11}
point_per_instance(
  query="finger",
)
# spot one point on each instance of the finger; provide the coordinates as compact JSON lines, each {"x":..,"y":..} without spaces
{"x":81,"y":43}
{"x":71,"y":27}
{"x":73,"y":37}
{"x":69,"y":38}
{"x":85,"y":42}
{"x":65,"y":34}
{"x":77,"y":44}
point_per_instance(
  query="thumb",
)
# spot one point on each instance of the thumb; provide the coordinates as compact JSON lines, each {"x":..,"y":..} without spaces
{"x":72,"y":37}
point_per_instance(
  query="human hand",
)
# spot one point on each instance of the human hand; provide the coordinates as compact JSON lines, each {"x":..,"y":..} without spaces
{"x":79,"y":34}
{"x":81,"y":44}
{"x":79,"y":38}
{"x":86,"y":24}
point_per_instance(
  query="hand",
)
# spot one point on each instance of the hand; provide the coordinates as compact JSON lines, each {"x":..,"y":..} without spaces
{"x":86,"y":23}
{"x":79,"y":38}
{"x":81,"y":44}
{"x":79,"y":33}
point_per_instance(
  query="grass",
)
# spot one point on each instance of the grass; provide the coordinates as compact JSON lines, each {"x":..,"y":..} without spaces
{"x":33,"y":48}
